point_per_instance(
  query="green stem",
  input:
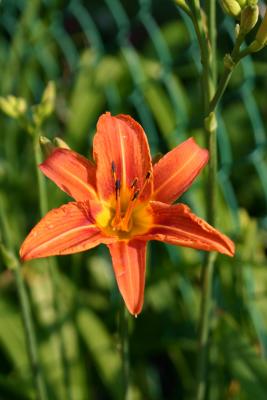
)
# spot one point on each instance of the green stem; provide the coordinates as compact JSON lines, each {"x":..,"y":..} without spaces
{"x":53,"y":270}
{"x":198,"y":23}
{"x":208,"y":267}
{"x":211,"y":133}
{"x":27,"y":320}
{"x":211,"y":21}
{"x":41,"y":182}
{"x":229,"y":67}
{"x":227,"y":73}
{"x":124,"y":347}
{"x":30,"y":336}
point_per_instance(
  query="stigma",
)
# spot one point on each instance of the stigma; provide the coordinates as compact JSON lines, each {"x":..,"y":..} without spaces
{"x":122,"y":219}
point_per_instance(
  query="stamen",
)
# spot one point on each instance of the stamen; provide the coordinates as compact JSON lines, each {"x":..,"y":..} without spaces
{"x":121,"y":220}
{"x":134,"y":183}
{"x":147,"y":177}
{"x":127,"y":216}
{"x":117,"y":217}
{"x":136,"y":194}
{"x":113,"y":167}
{"x":117,"y":188}
{"x":133,"y":187}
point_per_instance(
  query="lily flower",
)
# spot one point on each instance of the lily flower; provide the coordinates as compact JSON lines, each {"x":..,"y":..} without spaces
{"x":123,"y":201}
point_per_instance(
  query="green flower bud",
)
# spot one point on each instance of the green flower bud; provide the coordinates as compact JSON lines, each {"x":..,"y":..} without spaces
{"x":231,"y":7}
{"x":46,"y":146}
{"x":48,"y":99}
{"x":234,"y":7}
{"x":60,"y":143}
{"x":261,"y":36}
{"x":228,"y":61}
{"x":13,"y":106}
{"x":248,"y":19}
{"x":211,"y":122}
{"x":46,"y":107}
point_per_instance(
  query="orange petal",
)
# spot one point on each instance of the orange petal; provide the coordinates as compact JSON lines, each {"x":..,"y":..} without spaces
{"x":175,"y":172}
{"x":176,"y":224}
{"x":73,"y":173}
{"x":121,"y":140}
{"x":129,"y":264}
{"x":65,"y":230}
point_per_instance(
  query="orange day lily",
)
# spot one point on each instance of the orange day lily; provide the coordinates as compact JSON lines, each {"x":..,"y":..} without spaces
{"x":123,"y":201}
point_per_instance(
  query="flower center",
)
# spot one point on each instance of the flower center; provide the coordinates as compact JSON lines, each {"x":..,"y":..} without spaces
{"x":122,"y":220}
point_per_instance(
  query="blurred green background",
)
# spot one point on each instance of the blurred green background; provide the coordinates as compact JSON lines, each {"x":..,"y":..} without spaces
{"x":139,"y":58}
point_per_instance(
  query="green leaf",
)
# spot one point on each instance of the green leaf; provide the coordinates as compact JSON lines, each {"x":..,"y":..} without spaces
{"x":102,"y":349}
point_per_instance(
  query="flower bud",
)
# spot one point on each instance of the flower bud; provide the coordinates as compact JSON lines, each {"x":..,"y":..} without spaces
{"x":211,"y":122}
{"x":45,"y":108}
{"x":261,"y":36}
{"x":234,"y":7}
{"x":46,"y":146}
{"x":13,"y":106}
{"x":248,"y":19}
{"x":231,"y":7}
{"x":228,"y":61}
{"x":48,"y":98}
{"x":61,"y":143}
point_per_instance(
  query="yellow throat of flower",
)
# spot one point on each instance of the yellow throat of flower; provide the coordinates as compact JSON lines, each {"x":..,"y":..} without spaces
{"x":125,"y":215}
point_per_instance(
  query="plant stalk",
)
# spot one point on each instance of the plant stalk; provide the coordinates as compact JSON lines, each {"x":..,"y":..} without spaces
{"x":53,"y":272}
{"x":214,"y":96}
{"x":30,"y":336}
{"x":124,"y":348}
{"x":211,"y":134}
{"x":27,"y":320}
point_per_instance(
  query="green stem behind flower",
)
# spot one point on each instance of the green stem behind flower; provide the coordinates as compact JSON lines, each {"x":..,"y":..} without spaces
{"x":53,"y":269}
{"x":26,"y":313}
{"x":211,"y":133}
{"x":209,"y":79}
{"x":230,"y":63}
{"x":124,"y":348}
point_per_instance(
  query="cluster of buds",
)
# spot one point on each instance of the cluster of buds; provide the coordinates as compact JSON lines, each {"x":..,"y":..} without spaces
{"x":261,"y":36}
{"x":247,"y":12}
{"x":14,"y":107}
{"x":30,"y":116}
{"x":234,"y":7}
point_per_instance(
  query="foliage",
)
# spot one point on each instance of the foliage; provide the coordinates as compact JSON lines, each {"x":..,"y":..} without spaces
{"x":139,"y":58}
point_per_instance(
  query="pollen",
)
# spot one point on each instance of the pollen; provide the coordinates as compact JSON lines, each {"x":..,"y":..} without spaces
{"x":126,"y":215}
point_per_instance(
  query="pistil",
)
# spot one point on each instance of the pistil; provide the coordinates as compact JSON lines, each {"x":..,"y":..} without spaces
{"x":122,"y":222}
{"x":117,"y":217}
{"x":124,"y":226}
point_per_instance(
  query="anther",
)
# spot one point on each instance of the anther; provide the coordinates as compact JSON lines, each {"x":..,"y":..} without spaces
{"x":147,"y":177}
{"x":117,"y":187}
{"x":134,"y":183}
{"x":136,"y":194}
{"x":113,"y":167}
